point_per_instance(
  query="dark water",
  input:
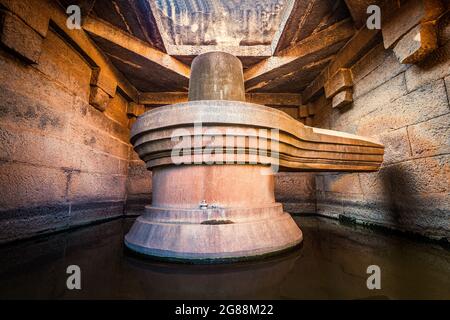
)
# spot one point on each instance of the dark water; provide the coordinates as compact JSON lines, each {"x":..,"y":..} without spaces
{"x":331,"y":264}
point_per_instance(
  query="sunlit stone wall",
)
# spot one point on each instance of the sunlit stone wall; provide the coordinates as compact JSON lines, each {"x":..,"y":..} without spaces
{"x":63,"y":163}
{"x":407,"y":108}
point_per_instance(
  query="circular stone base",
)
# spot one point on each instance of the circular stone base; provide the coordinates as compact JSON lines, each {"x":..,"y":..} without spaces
{"x":165,"y":235}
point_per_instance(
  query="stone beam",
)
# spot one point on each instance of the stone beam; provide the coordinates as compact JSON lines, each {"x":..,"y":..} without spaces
{"x":342,"y":99}
{"x":272,"y":99}
{"x":116,"y":36}
{"x":316,"y":47}
{"x":104,"y":76}
{"x":19,"y":37}
{"x":300,"y":19}
{"x":407,"y":16}
{"x":417,"y":43}
{"x":341,"y":80}
{"x":238,"y":51}
{"x":353,"y":50}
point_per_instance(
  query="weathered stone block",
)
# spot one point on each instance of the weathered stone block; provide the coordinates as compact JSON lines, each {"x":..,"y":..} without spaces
{"x":139,"y":184}
{"x":407,"y":16}
{"x":421,"y":176}
{"x":347,"y":183}
{"x":431,"y":137}
{"x":97,"y":162}
{"x":294,"y":186}
{"x":388,"y":68}
{"x":94,"y":137}
{"x":341,"y":80}
{"x":367,"y":104}
{"x":329,"y":204}
{"x":40,"y":150}
{"x":376,"y":185}
{"x":93,"y":187}
{"x":135,"y":110}
{"x":309,"y":121}
{"x":60,"y":62}
{"x":292,"y":111}
{"x":311,"y":108}
{"x":303,"y":111}
{"x":84,"y":115}
{"x":19,"y":37}
{"x":117,"y":110}
{"x":412,"y":108}
{"x":33,"y":12}
{"x":433,"y":67}
{"x":23,"y":185}
{"x":396,"y":145}
{"x":100,"y":79}
{"x":417,"y":43}
{"x":99,"y":98}
{"x":369,"y":62}
{"x":342,"y":99}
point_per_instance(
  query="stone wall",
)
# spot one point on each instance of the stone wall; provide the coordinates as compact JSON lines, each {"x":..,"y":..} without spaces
{"x":63,"y":163}
{"x":407,"y":108}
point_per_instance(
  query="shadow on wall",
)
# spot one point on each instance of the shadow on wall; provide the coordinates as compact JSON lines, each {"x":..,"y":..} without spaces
{"x":408,"y":209}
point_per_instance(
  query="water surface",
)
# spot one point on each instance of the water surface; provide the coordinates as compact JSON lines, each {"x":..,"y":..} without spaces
{"x":331,"y":264}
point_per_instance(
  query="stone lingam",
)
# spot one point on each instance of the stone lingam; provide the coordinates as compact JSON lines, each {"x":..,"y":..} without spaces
{"x":213,"y":161}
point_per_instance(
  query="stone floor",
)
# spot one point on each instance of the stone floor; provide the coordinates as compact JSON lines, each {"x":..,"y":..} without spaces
{"x":331,"y":264}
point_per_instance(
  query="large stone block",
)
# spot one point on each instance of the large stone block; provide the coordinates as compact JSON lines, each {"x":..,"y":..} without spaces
{"x":139,"y":184}
{"x":420,"y":176}
{"x":97,"y":162}
{"x":369,"y":62}
{"x":97,"y":139}
{"x":86,"y":115}
{"x":417,"y":43}
{"x":26,"y":113}
{"x":348,"y":119}
{"x":387,"y":69}
{"x":117,"y":110}
{"x":37,"y":149}
{"x":329,"y":204}
{"x":34,"y":12}
{"x":99,"y":98}
{"x":24,"y":186}
{"x":19,"y":37}
{"x":294,"y":186}
{"x":347,"y":183}
{"x":431,"y":137}
{"x":61,"y":63}
{"x":435,"y":66}
{"x":376,"y":186}
{"x":94,"y":187}
{"x":102,"y":80}
{"x":420,"y":105}
{"x":396,"y":145}
{"x":407,"y":16}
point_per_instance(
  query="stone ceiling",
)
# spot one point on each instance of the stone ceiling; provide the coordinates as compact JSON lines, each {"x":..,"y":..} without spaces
{"x":283,"y":44}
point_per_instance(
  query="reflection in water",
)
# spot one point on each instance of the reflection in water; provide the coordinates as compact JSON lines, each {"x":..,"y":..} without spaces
{"x":331,"y":264}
